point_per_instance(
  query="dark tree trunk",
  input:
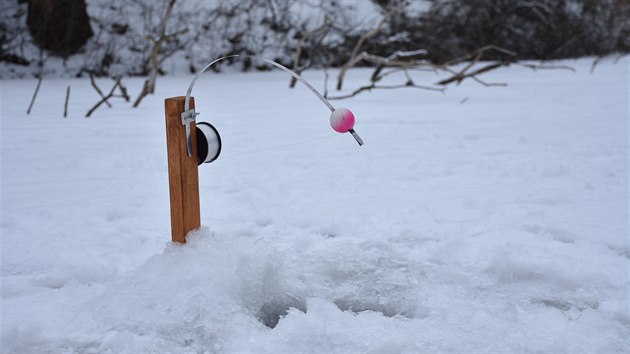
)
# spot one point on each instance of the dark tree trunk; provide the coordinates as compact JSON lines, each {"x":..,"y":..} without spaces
{"x":61,"y":27}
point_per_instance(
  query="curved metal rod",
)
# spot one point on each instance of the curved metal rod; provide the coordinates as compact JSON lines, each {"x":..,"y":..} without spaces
{"x":192,"y":83}
{"x":277,"y":65}
{"x":299,"y":78}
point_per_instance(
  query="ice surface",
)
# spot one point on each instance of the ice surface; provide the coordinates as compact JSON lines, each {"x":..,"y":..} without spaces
{"x":496,"y":224}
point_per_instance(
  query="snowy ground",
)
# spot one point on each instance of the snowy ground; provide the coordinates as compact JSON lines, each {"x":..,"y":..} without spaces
{"x":496,"y":224}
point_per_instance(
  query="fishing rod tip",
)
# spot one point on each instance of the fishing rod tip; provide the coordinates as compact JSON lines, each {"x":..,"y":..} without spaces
{"x":356,"y":137}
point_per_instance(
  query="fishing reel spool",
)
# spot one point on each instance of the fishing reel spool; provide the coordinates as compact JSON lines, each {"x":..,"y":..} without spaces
{"x":208,"y":143}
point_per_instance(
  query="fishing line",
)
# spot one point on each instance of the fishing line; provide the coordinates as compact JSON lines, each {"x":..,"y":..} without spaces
{"x":278,"y":147}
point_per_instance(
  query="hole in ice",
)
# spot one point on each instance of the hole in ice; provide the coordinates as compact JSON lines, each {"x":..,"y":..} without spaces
{"x":572,"y":311}
{"x":559,"y":304}
{"x":388,"y":310}
{"x":271,"y":312}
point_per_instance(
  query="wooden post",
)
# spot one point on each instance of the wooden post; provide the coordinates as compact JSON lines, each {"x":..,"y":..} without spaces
{"x":183,"y":176}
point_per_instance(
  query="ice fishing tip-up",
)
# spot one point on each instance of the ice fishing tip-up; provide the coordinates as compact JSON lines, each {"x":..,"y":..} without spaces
{"x":191,"y":143}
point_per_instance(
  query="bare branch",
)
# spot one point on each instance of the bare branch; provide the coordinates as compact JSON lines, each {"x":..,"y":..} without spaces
{"x":100,"y":93}
{"x":298,"y":51}
{"x":65,"y":106}
{"x":39,"y":83}
{"x":595,"y":62}
{"x":149,"y":84}
{"x":373,"y":86}
{"x":117,"y":84}
{"x":379,"y":74}
{"x":461,"y":76}
{"x":483,"y":49}
{"x":535,"y":67}
{"x":488,"y":84}
{"x":400,"y":59}
{"x":415,"y":60}
{"x":123,"y":90}
{"x":473,"y":59}
{"x":40,"y":75}
{"x":364,"y":37}
{"x":325,"y":81}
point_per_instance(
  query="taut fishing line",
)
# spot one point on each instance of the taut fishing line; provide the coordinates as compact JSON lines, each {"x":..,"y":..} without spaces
{"x":239,"y":154}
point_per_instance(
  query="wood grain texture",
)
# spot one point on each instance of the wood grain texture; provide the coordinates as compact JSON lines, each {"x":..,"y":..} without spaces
{"x":182,"y":171}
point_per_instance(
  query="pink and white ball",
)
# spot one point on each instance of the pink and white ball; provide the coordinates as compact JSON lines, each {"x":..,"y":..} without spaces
{"x":342,"y":120}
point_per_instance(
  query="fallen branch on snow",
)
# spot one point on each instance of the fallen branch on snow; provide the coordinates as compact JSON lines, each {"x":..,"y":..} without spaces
{"x":117,"y":85}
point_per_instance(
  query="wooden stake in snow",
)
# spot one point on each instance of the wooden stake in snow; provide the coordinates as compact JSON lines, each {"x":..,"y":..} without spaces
{"x":183,"y":176}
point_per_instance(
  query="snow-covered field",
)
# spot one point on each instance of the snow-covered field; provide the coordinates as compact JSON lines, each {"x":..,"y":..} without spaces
{"x":482,"y":219}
